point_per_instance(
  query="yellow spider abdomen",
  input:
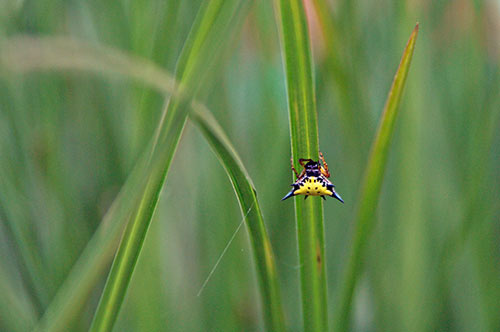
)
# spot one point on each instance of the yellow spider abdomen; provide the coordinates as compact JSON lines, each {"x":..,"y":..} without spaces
{"x":311,"y":186}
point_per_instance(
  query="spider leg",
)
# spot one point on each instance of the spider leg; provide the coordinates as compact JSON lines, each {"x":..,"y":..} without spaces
{"x":302,"y":161}
{"x":293,"y":168}
{"x":324,"y":170}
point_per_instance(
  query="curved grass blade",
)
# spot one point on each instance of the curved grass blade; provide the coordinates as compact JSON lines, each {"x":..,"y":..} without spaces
{"x":247,"y":198}
{"x":15,"y":55}
{"x":202,"y":44}
{"x":211,"y":24}
{"x":32,"y":54}
{"x":87,"y":271}
{"x":372,"y":183}
{"x":296,"y":52}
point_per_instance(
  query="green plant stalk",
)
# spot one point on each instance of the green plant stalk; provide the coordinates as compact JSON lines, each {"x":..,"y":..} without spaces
{"x":247,"y":198}
{"x":371,"y":186}
{"x":296,"y":48}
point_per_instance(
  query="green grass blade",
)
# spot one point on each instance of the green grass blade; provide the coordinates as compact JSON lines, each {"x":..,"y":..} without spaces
{"x":204,"y":43}
{"x":16,"y":55}
{"x":244,"y":189}
{"x":98,"y":253}
{"x":371,"y":186}
{"x":200,"y":46}
{"x":294,"y":37}
{"x":87,"y":271}
{"x":25,"y":53}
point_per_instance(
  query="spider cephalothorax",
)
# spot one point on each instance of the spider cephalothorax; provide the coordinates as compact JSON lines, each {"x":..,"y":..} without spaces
{"x":313,"y":180}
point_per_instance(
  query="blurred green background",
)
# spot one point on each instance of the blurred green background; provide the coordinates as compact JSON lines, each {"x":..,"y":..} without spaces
{"x":68,"y":140}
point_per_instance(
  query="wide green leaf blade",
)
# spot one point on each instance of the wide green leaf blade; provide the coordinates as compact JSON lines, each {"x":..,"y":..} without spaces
{"x":371,"y":186}
{"x":296,"y":49}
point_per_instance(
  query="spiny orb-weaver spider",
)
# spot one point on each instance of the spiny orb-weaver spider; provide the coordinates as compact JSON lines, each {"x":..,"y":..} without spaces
{"x":313,"y":180}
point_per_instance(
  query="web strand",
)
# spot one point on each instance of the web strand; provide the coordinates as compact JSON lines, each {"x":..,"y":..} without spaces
{"x":224,"y":251}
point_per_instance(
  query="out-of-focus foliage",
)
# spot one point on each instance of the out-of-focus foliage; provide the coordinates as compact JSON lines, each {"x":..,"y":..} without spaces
{"x":69,"y":140}
{"x":371,"y":187}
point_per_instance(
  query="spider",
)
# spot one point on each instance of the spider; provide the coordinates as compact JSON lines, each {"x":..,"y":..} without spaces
{"x":313,"y":180}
